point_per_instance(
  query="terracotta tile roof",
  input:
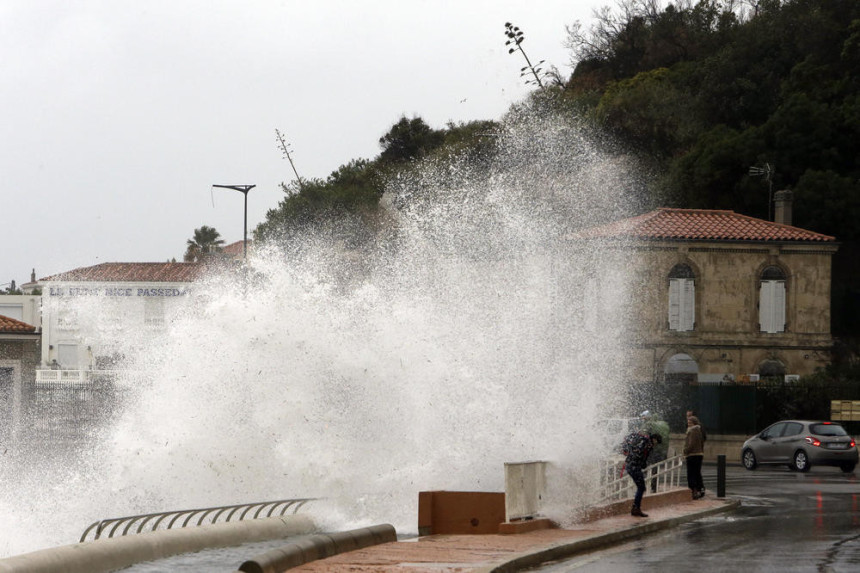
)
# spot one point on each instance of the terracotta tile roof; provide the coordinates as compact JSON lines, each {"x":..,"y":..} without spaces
{"x":132,"y":272}
{"x":10,"y":325}
{"x":237,"y":249}
{"x":700,"y":224}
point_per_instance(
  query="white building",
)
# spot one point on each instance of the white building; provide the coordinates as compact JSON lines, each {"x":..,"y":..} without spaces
{"x":90,"y":313}
{"x":23,"y":307}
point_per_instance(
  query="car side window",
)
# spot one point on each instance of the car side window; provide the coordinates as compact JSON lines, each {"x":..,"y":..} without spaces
{"x":774,"y":431}
{"x":792,"y":429}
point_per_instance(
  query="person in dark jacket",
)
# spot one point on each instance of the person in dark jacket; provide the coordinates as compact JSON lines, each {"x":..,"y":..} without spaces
{"x":654,"y":424}
{"x":637,"y":447}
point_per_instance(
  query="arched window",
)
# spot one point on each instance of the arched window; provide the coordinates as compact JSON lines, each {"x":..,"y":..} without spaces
{"x":682,"y":298}
{"x":681,"y":369}
{"x":772,"y":369}
{"x":771,"y":302}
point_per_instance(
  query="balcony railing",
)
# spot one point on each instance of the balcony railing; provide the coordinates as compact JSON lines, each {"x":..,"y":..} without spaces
{"x":72,"y":378}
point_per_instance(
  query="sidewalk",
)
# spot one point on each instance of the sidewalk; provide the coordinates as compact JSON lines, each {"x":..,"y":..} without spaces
{"x":504,"y":553}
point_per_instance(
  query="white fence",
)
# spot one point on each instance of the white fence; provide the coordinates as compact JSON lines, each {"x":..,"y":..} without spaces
{"x":616,"y":485}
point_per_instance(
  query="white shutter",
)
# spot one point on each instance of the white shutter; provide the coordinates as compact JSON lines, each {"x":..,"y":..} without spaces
{"x":688,"y":305}
{"x":674,"y":304}
{"x":778,"y":312}
{"x":765,"y":307}
{"x":15,"y":311}
{"x":772,"y":306}
{"x":682,"y":304}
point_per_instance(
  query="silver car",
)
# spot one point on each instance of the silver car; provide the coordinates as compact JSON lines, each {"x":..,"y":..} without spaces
{"x":800,"y":444}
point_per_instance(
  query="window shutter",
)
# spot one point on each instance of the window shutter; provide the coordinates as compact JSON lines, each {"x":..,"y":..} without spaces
{"x":688,"y":305}
{"x":772,"y":306}
{"x":765,"y":307}
{"x":778,"y":312}
{"x":674,"y":304}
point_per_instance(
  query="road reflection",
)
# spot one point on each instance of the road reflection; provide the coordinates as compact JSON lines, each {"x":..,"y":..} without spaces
{"x":787,"y":521}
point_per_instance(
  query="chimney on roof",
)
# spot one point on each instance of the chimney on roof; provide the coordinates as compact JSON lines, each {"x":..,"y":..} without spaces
{"x":782,"y":206}
{"x":33,"y":276}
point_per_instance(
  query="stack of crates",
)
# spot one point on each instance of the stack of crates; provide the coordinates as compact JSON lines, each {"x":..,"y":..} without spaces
{"x":845,"y":410}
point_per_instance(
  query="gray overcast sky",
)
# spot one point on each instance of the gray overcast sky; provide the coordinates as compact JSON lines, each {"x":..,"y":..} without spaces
{"x":117,"y":116}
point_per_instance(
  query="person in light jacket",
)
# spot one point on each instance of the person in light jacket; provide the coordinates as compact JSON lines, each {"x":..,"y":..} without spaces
{"x":694,"y":452}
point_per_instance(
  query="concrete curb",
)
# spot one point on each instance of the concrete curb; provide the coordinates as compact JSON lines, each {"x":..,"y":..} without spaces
{"x":318,"y":546}
{"x":112,"y":554}
{"x":568,"y":549}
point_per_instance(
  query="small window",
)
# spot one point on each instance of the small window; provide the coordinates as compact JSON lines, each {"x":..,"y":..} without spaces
{"x":827,"y":430}
{"x":15,"y":311}
{"x":792,"y":429}
{"x":774,"y":431}
{"x":682,"y":298}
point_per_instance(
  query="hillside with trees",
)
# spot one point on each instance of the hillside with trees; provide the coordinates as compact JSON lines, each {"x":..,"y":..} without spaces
{"x":708,"y":90}
{"x":702,"y":92}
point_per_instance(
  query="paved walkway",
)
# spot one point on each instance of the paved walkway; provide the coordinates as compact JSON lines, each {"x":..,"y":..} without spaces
{"x":503,"y":553}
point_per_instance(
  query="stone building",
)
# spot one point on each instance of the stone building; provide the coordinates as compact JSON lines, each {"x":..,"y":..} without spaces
{"x":721,"y":296}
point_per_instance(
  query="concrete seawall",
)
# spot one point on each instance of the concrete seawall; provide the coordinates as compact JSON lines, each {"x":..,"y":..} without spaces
{"x":319,"y":546}
{"x":112,"y":554}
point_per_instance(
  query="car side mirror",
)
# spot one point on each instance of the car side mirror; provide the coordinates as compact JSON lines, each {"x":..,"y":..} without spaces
{"x":764,"y":437}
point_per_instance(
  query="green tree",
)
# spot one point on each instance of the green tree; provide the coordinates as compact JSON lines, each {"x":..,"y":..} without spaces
{"x":206,"y":239}
{"x":409,"y":139}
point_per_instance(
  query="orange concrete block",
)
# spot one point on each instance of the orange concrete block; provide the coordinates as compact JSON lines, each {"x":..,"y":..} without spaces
{"x":460,"y":512}
{"x":525,"y":525}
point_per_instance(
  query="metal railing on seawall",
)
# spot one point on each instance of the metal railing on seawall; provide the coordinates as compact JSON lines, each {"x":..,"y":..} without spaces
{"x":132,"y":524}
{"x":615,"y":485}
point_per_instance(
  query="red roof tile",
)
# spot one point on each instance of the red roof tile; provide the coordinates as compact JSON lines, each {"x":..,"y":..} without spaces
{"x":700,"y":224}
{"x":10,"y":325}
{"x":132,"y":272}
{"x":236,"y":249}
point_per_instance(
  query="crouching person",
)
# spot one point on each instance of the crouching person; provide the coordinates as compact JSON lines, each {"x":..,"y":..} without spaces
{"x":637,"y":447}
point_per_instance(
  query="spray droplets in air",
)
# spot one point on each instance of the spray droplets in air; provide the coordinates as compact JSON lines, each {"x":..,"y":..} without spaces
{"x":463,"y":329}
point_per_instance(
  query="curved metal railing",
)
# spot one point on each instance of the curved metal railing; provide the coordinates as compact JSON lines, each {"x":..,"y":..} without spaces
{"x":132,"y":524}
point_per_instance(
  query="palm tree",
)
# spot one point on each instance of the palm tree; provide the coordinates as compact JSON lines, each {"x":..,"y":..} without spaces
{"x":206,"y":239}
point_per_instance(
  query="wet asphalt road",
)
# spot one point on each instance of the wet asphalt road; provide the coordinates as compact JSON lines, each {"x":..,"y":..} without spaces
{"x":787,"y":522}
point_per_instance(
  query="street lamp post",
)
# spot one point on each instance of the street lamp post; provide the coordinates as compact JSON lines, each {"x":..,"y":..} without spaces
{"x":244,"y":190}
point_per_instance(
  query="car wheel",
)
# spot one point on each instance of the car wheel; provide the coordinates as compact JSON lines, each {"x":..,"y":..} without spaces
{"x":748,"y":458}
{"x":801,"y":461}
{"x":847,"y":468}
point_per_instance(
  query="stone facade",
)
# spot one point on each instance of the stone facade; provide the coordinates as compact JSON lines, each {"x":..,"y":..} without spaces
{"x":727,"y":339}
{"x":719,"y":296}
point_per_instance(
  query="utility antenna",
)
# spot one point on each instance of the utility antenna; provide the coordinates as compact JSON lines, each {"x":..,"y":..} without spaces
{"x":286,"y":151}
{"x":767,"y":172}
